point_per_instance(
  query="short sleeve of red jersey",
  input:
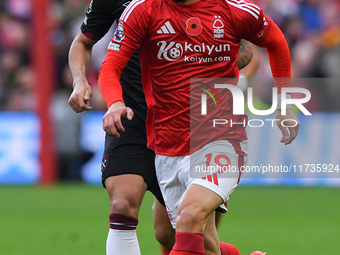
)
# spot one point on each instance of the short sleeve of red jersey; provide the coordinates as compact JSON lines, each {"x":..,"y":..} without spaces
{"x":250,"y":22}
{"x":131,"y":29}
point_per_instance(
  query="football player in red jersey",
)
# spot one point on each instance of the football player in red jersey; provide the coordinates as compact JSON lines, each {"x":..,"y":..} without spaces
{"x":128,"y":165}
{"x":179,"y":41}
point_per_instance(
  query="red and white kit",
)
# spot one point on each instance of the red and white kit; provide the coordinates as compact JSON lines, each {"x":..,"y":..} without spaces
{"x":178,"y":42}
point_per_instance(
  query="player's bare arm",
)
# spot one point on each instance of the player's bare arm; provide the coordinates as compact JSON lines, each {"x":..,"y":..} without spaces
{"x":79,"y":62}
{"x":245,"y":55}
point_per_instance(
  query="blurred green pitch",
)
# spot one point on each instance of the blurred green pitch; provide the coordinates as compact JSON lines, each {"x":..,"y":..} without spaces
{"x":73,"y":219}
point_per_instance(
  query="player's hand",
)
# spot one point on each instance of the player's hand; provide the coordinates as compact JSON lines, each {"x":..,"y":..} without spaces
{"x":289,"y":133}
{"x":80,"y":97}
{"x":113,"y":116}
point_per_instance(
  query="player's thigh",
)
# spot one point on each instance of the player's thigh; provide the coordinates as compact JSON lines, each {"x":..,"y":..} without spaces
{"x":217,"y":167}
{"x":171,"y":181}
{"x":126,"y":172}
{"x":126,"y":192}
{"x":164,"y":232}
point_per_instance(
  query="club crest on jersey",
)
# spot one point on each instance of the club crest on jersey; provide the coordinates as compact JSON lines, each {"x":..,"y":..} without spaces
{"x":218,"y":28}
{"x":194,"y":26}
{"x":119,"y":33}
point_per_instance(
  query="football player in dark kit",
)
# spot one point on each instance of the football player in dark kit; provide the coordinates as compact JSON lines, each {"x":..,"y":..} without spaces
{"x":128,"y":165}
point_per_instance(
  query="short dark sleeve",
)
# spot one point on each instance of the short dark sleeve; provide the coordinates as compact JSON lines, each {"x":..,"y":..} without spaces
{"x":99,"y":17}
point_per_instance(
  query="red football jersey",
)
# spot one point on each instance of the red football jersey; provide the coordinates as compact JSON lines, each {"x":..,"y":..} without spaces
{"x":178,"y":42}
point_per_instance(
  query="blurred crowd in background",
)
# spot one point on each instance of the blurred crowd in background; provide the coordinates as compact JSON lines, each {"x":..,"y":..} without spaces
{"x":311,"y":27}
{"x":312,"y":30}
{"x":17,"y":85}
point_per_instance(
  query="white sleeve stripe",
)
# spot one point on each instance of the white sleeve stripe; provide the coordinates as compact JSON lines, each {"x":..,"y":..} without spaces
{"x":242,"y":1}
{"x":244,"y":9}
{"x":130,"y":8}
{"x":255,"y":6}
{"x":127,"y":9}
{"x":251,"y":8}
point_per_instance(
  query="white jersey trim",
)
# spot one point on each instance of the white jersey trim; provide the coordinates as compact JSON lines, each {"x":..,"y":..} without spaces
{"x":250,"y":4}
{"x":130,"y":8}
{"x":247,"y":7}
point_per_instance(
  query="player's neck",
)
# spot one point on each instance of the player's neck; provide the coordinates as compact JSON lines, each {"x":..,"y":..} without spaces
{"x":187,"y":1}
{"x":190,"y":1}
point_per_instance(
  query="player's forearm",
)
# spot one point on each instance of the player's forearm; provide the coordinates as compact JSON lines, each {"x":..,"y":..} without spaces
{"x":279,"y":56}
{"x":109,"y":77}
{"x":280,"y":65}
{"x":79,"y":60}
{"x":245,"y":55}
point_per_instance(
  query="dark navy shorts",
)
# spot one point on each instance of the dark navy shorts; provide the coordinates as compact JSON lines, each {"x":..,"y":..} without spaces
{"x":130,"y":156}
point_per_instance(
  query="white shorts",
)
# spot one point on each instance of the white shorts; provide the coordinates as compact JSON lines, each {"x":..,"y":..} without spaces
{"x":216,"y":166}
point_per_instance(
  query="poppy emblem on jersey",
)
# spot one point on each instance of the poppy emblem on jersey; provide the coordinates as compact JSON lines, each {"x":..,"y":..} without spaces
{"x":218,"y":28}
{"x":119,"y":33}
{"x":194,"y":26}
